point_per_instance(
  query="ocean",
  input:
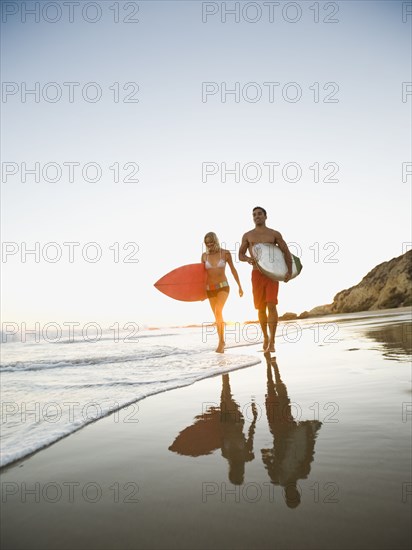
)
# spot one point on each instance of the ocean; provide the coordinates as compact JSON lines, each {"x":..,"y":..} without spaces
{"x":51,"y":389}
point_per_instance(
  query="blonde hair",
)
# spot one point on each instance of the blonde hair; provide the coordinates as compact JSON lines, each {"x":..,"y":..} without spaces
{"x":212,"y":236}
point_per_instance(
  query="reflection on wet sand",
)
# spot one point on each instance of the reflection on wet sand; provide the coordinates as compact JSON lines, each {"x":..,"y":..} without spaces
{"x":220,"y":428}
{"x":236,"y":448}
{"x":293,"y":448}
{"x":396,"y":340}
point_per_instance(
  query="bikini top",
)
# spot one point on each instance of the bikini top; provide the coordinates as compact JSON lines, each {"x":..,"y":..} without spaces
{"x":220,"y":263}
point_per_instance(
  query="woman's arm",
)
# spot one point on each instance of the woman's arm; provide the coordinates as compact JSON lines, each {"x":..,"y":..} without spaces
{"x":228,"y":257}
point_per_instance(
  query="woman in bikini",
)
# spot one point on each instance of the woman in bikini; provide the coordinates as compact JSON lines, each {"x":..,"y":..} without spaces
{"x":215,"y":260}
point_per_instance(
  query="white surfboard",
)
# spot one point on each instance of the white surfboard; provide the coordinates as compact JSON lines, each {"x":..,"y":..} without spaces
{"x":271,"y":262}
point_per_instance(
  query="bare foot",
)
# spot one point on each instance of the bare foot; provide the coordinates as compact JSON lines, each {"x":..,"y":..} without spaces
{"x":220,"y":348}
{"x":270,"y":348}
{"x":265,"y":344}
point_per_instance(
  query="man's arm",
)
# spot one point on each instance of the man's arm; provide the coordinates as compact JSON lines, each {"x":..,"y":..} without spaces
{"x":243,"y":249}
{"x":286,"y":253}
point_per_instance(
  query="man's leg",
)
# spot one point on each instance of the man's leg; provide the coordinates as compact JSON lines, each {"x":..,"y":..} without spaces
{"x":259,"y":291}
{"x":272,"y":323}
{"x":263,"y":320}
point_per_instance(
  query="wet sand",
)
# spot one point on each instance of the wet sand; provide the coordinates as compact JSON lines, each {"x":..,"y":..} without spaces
{"x":308,"y":451}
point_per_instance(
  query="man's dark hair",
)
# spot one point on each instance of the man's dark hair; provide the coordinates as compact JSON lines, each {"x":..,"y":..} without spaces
{"x":260,"y":208}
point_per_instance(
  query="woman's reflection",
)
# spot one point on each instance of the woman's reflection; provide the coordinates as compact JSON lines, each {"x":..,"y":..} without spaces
{"x":220,"y":428}
{"x":292,"y":453}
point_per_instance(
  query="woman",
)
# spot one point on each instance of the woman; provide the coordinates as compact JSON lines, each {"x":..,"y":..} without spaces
{"x":215,"y":260}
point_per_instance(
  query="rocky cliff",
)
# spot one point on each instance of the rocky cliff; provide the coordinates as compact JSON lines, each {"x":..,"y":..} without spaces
{"x":388,"y":285}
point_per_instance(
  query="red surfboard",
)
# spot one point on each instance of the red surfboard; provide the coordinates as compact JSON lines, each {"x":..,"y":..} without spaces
{"x":186,"y":283}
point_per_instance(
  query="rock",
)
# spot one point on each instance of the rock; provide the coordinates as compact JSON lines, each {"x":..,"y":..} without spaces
{"x":288,"y":316}
{"x":320,"y":310}
{"x":304,"y":315}
{"x":388,"y":285}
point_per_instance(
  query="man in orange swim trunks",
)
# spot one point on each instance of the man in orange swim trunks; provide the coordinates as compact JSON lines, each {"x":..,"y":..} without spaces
{"x":265,"y":290}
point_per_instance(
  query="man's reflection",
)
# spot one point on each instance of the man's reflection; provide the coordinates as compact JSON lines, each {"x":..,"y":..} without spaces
{"x":292,"y":453}
{"x":220,"y":428}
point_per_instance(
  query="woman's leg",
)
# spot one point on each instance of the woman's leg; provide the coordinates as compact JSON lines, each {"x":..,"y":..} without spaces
{"x":219,"y":305}
{"x":212,"y":302}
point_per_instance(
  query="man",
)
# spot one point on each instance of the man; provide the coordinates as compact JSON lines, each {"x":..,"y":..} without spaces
{"x":265,"y":290}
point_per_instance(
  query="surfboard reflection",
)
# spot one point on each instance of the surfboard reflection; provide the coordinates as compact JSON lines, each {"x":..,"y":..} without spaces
{"x":221,"y":427}
{"x":293,"y":448}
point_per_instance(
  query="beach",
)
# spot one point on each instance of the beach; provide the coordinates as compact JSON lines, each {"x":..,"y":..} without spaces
{"x":310,"y":449}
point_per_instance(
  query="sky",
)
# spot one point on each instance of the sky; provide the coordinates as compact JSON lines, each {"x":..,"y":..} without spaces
{"x":149,"y":124}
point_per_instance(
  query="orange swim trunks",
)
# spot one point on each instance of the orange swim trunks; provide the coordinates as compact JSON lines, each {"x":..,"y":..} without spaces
{"x":264,"y":289}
